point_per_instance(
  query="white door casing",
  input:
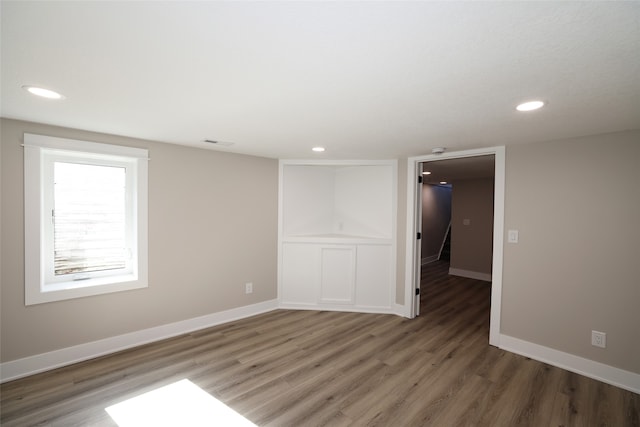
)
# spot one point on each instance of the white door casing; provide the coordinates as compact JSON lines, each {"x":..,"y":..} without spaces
{"x":412,"y":267}
{"x":418,"y":224}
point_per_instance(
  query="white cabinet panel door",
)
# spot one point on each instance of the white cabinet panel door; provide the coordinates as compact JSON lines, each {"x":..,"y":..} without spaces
{"x":337,"y":279}
{"x":300,"y":273}
{"x":373,"y":276}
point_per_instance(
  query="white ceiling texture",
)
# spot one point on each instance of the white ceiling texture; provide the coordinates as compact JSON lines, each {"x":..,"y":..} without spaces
{"x":364,"y":79}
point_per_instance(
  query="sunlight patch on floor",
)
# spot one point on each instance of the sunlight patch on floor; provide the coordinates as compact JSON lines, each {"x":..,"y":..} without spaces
{"x":179,"y":404}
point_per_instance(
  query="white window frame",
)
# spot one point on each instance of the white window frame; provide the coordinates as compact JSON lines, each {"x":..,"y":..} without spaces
{"x":40,"y":152}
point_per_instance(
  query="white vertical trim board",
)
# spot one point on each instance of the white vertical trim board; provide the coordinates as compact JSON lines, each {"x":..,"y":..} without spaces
{"x":15,"y":369}
{"x":414,"y":169}
{"x":589,"y":368}
{"x":498,"y":246}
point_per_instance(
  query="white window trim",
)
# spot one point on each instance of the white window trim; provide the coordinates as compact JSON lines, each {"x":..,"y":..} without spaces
{"x":35,"y":292}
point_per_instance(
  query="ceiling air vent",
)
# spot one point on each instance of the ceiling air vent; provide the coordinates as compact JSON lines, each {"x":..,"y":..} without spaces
{"x":220,"y":143}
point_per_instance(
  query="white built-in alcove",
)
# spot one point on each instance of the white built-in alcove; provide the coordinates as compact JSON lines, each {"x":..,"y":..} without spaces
{"x":337,"y":235}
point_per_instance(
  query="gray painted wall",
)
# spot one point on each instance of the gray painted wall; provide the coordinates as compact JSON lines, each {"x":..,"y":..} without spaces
{"x":472,"y":245}
{"x":576,"y":204}
{"x":576,"y":268}
{"x":212,"y":227}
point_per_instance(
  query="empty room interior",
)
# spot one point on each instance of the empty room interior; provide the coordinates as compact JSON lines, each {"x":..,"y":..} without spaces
{"x":320,"y":213}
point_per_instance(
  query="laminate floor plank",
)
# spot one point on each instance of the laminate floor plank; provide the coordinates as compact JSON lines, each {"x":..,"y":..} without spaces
{"x":439,"y":387}
{"x":560,"y":412}
{"x":464,"y":408}
{"x":393,"y":383}
{"x":322,"y":404}
{"x":324,"y":368}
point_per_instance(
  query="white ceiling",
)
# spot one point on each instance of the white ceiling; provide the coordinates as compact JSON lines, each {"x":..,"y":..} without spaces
{"x":364,"y":79}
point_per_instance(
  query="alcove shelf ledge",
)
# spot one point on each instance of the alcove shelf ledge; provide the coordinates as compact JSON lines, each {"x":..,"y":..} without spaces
{"x":337,"y":239}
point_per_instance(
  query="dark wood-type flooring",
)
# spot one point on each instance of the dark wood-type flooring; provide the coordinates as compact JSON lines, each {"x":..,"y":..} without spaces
{"x":316,"y":368}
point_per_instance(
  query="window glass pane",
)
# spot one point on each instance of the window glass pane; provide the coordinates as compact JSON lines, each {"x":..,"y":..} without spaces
{"x":89,"y":218}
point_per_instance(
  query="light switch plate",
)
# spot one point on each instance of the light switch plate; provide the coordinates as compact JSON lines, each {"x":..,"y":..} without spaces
{"x":512,"y":236}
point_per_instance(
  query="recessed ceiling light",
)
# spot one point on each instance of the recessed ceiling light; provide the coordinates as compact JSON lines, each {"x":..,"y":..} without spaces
{"x":318,"y":149}
{"x":40,"y":91}
{"x":426,"y":173}
{"x":530,"y":106}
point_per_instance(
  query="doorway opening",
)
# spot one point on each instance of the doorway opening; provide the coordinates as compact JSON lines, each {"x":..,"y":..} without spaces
{"x":456,"y":237}
{"x":480,"y":260}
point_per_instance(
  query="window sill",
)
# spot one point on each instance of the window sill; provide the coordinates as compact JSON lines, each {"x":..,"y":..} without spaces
{"x":84,"y":288}
{"x":87,"y":283}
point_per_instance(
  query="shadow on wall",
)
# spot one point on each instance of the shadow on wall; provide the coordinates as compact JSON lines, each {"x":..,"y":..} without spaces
{"x":436,"y":216}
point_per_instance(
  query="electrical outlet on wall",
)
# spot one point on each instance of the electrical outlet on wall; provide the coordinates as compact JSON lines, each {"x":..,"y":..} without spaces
{"x":598,"y":339}
{"x":248,"y":288}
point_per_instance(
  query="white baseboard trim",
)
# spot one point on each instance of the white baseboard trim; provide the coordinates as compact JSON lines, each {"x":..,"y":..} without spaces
{"x":401,"y":310}
{"x":46,"y":361}
{"x":589,"y":368}
{"x":337,"y":307}
{"x":429,"y":259}
{"x":15,"y":369}
{"x":470,"y":274}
